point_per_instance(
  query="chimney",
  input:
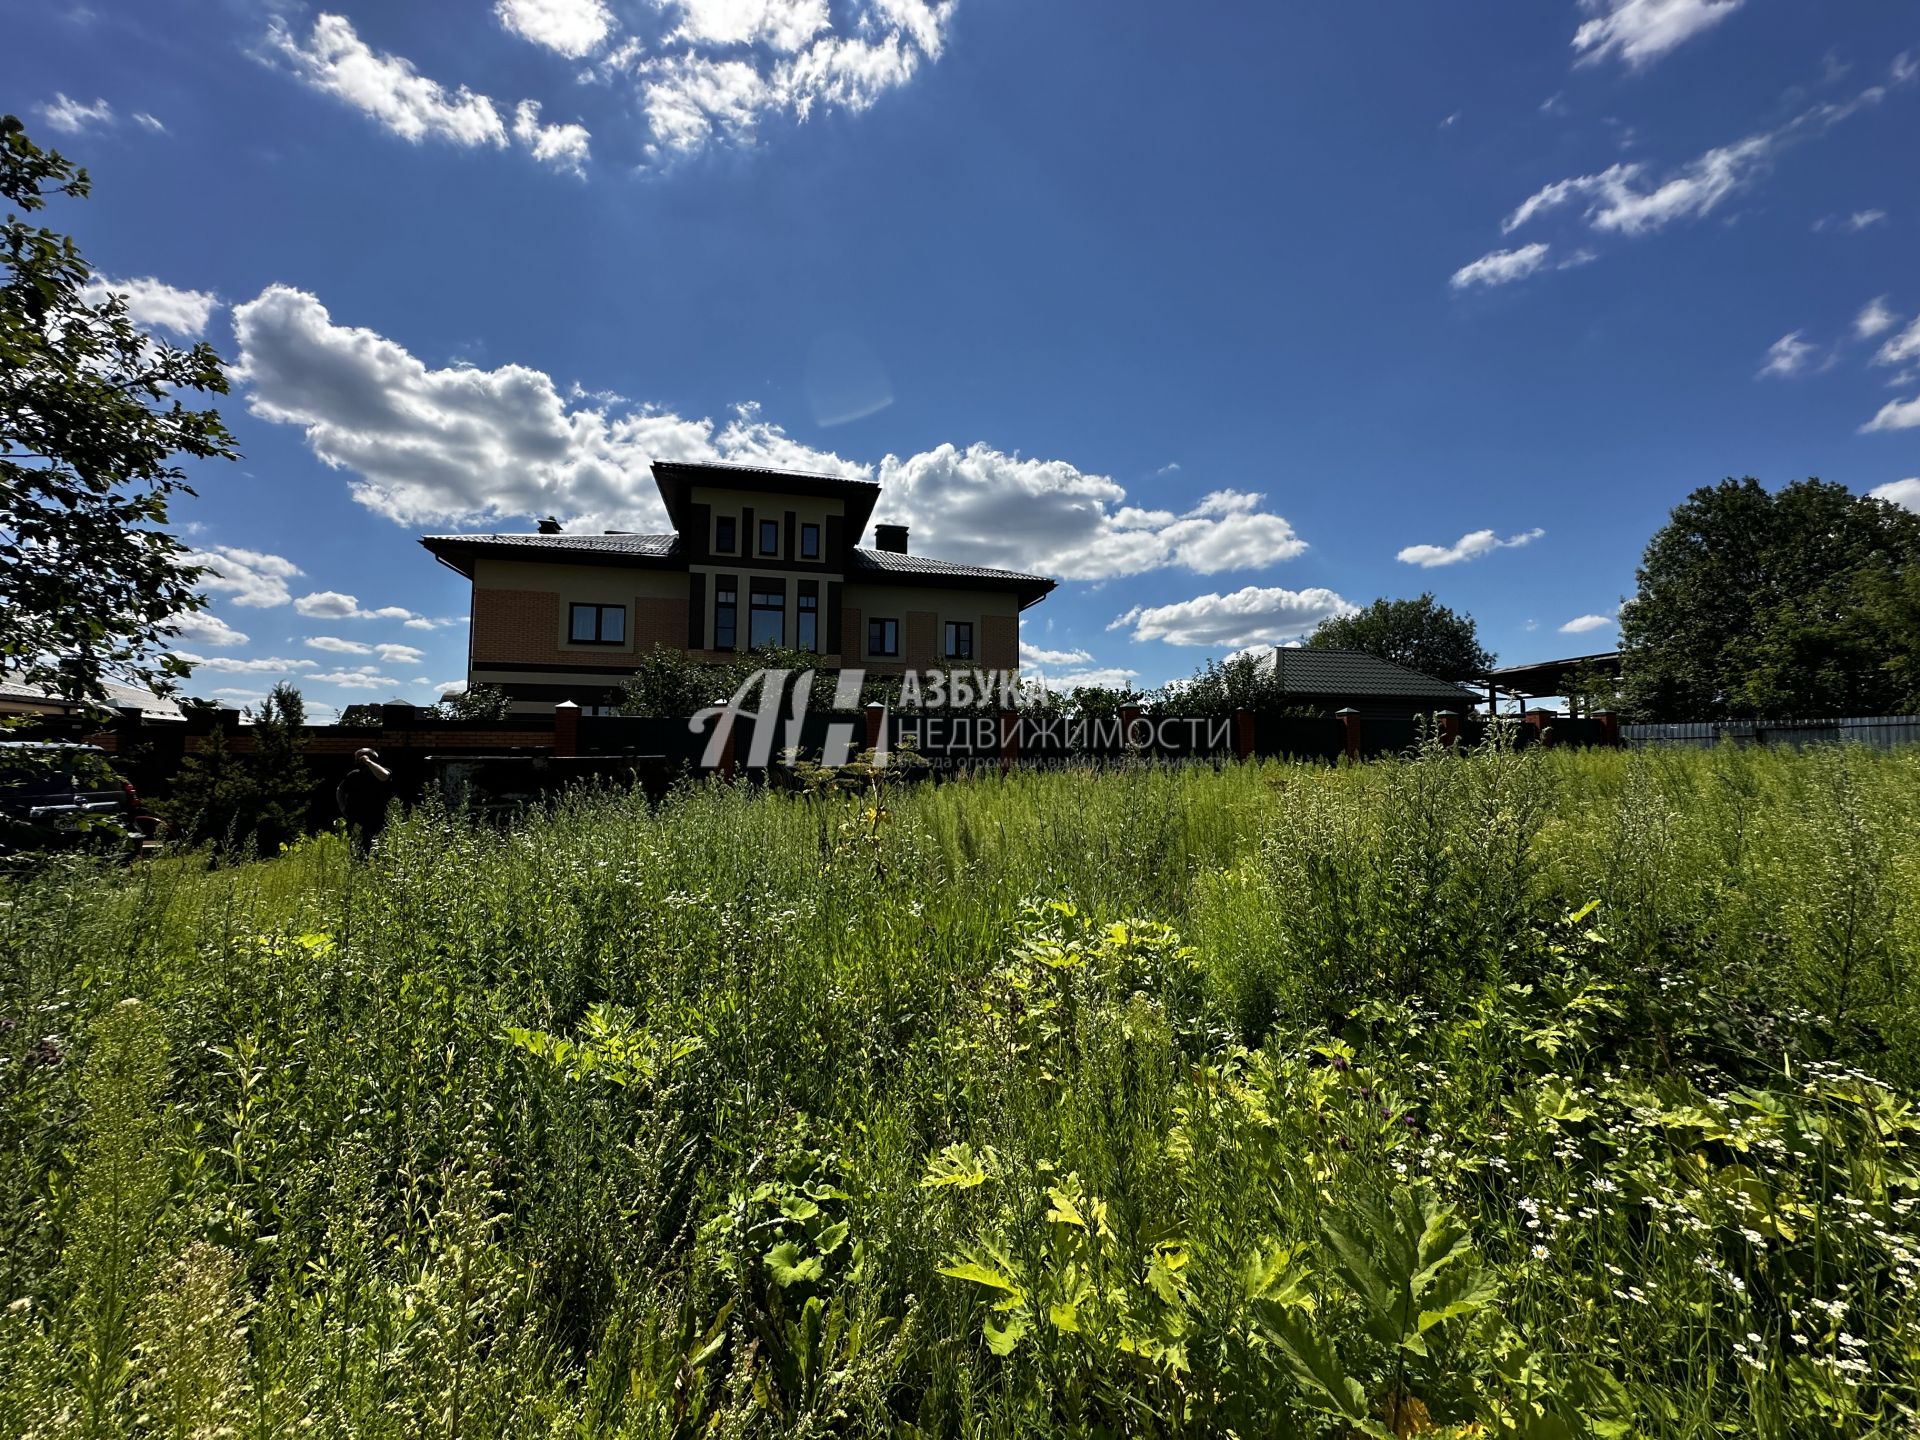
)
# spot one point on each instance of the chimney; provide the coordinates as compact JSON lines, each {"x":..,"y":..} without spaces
{"x":891,"y":538}
{"x":549,"y":526}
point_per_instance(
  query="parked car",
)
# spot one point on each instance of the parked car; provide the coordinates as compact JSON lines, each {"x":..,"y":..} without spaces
{"x":56,"y":796}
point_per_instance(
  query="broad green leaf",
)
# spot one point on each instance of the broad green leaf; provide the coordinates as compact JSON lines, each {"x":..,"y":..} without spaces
{"x":785,"y":1263}
{"x":980,"y":1274}
{"x":1317,"y":1369}
{"x":1002,"y":1339}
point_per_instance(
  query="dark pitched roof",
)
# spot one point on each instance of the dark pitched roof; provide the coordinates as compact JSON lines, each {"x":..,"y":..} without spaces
{"x":921,"y":569}
{"x":676,"y":479}
{"x":1349,"y":672}
{"x":459,"y":551}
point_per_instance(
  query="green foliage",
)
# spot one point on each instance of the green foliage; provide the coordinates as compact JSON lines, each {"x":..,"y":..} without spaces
{"x":1541,"y":1095}
{"x":476,"y":702}
{"x":1758,"y":604}
{"x":91,"y":423}
{"x":237,"y":802}
{"x":1421,"y":634}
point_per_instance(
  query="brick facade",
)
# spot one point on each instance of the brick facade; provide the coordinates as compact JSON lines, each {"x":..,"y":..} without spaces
{"x":657,"y":623}
{"x":516,"y":626}
{"x":922,"y":641}
{"x":1000,"y":642}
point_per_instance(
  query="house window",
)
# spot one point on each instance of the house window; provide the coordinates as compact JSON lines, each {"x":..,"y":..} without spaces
{"x":767,"y":625}
{"x":769,"y":537}
{"x":809,"y":542}
{"x":725,"y":538}
{"x":959,"y":639}
{"x":883,"y":637}
{"x":597,"y":624}
{"x":726,"y":612}
{"x":807,"y":624}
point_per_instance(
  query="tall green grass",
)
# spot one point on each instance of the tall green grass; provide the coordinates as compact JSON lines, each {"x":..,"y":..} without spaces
{"x":1537,"y":1094}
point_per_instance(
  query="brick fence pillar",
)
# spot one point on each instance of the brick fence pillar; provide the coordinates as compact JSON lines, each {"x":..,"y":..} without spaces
{"x":566,"y":729}
{"x":1243,"y":734}
{"x":1449,"y":728}
{"x":1349,"y":718}
{"x":1541,"y":723}
{"x":876,"y":714}
{"x":1609,"y":726}
{"x":1009,"y":740}
{"x":1129,"y":717}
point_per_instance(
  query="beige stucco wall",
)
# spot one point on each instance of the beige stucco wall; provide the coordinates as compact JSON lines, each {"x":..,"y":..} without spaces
{"x":520,"y":610}
{"x":923,"y":612}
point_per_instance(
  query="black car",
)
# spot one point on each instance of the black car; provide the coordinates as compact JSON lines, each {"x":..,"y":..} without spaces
{"x":63,"y":797}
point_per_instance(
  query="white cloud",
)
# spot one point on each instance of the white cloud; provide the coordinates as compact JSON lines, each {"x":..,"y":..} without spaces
{"x":337,"y":61}
{"x":1034,"y":655}
{"x":1639,"y":32}
{"x":149,"y":122}
{"x":399,"y":654}
{"x":1787,"y":356}
{"x":1580,"y":625}
{"x":362,"y":677}
{"x":1896,"y":415}
{"x":422,"y":622}
{"x":573,"y":28}
{"x":981,"y":506}
{"x":1619,"y":202}
{"x":1902,"y":347}
{"x":203,"y":627}
{"x":1103,"y":677}
{"x":1874,"y":319}
{"x":1470,"y":546}
{"x":1249,"y":616}
{"x":564,"y":147}
{"x":1861,"y":219}
{"x":1904,"y":493}
{"x":72,"y":117}
{"x":250,"y":577}
{"x":780,"y":24}
{"x":462,"y":445}
{"x":153,"y":302}
{"x":1501,"y":267}
{"x":333,"y":605}
{"x":337,"y":646}
{"x":231,"y":692}
{"x":233,"y":665}
{"x":1624,"y":200}
{"x":729,"y":64}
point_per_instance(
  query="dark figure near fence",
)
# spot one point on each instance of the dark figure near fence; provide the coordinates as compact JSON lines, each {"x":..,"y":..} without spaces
{"x":363,"y":795}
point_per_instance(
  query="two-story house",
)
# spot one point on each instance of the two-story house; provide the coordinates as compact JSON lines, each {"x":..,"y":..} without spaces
{"x":756,"y":558}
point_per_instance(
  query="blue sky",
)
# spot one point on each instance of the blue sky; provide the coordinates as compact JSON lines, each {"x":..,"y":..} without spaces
{"x":1228,"y":316}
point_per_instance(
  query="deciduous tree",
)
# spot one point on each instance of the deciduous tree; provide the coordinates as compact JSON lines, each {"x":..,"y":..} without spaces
{"x":91,"y":431}
{"x":1421,"y":634}
{"x":1767,"y":605}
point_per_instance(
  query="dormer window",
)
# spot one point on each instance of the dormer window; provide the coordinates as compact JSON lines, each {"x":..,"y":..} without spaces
{"x":726,"y":537}
{"x":769,"y":537}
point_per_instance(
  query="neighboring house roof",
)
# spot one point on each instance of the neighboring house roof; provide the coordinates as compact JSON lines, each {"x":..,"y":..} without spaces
{"x":1545,"y":677}
{"x":658,"y":552}
{"x":15,"y":693}
{"x":1303,"y":672}
{"x":676,"y":478}
{"x":663,"y":552}
{"x":892,"y":566}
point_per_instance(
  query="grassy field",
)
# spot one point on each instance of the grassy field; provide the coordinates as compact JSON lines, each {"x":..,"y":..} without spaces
{"x":1540,"y":1095}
